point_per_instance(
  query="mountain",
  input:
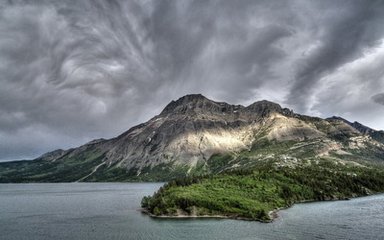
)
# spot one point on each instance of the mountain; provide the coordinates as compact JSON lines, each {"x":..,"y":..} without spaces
{"x":376,"y":135}
{"x":195,"y":136}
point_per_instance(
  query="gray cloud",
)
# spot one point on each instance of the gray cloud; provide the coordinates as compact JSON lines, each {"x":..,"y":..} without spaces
{"x":347,"y":30}
{"x":71,"y":71}
{"x":378,"y":98}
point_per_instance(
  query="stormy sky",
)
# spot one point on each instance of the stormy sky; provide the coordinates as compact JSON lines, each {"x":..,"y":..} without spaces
{"x":75,"y":70}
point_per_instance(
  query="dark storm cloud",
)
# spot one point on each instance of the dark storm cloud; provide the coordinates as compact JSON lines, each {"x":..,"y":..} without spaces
{"x":75,"y":70}
{"x":346,"y":31}
{"x":378,"y":98}
{"x":67,"y":69}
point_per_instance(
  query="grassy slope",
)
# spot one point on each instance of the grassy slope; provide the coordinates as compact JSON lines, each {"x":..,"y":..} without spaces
{"x":252,"y":194}
{"x":252,"y":183}
{"x":72,"y":168}
{"x":66,"y":169}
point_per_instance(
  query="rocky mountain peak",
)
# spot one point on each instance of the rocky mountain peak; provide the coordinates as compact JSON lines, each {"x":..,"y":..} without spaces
{"x":377,"y":135}
{"x":194,"y":134}
{"x":338,"y":118}
{"x":193,"y":103}
{"x":265,"y":107}
{"x":358,"y":126}
{"x":192,"y":99}
{"x":49,"y":156}
{"x":199,"y":104}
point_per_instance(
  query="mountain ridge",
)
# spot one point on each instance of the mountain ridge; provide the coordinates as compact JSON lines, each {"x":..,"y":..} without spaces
{"x":375,"y":134}
{"x":190,"y":132}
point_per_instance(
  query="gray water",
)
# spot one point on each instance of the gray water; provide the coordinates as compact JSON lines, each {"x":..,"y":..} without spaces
{"x":110,"y":211}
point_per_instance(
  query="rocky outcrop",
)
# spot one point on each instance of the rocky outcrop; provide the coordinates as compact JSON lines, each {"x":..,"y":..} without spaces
{"x":193,"y":128}
{"x":190,"y":131}
{"x":376,"y":135}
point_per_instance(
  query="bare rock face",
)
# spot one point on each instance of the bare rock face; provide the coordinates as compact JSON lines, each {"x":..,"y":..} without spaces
{"x":193,"y":129}
{"x":49,"y":156}
{"x":376,"y":135}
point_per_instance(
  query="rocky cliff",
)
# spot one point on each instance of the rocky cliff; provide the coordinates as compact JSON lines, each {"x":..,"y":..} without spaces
{"x":195,"y":135}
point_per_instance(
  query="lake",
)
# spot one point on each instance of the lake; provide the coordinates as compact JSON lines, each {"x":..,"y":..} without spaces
{"x":110,"y":211}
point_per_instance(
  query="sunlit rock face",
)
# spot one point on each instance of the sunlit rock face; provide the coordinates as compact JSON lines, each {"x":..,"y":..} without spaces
{"x":190,"y":130}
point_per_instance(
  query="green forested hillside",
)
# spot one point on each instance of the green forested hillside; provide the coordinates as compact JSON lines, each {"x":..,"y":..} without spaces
{"x":252,"y":194}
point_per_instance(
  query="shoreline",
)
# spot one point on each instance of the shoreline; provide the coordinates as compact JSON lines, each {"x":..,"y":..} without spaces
{"x":183,"y":216}
{"x":273,"y":214}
